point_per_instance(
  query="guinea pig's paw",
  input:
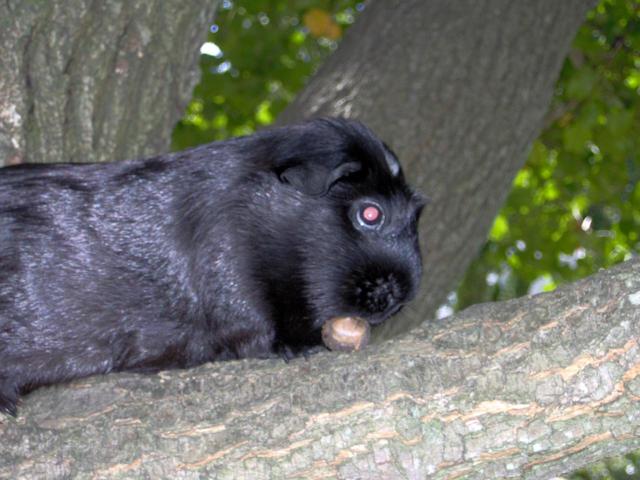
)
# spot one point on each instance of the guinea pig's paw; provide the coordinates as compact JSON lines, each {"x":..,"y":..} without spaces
{"x":8,"y":398}
{"x":284,"y":351}
{"x":288,"y":353}
{"x":308,"y":352}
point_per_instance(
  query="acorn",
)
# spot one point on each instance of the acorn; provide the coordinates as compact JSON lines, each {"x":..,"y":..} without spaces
{"x":345,"y":334}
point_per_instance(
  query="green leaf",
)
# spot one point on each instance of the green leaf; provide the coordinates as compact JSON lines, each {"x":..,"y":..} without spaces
{"x":581,"y":83}
{"x":575,"y":137}
{"x":263,"y":113}
{"x":500,"y":229}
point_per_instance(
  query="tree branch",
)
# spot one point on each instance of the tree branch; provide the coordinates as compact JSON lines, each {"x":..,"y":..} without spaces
{"x":529,"y":388}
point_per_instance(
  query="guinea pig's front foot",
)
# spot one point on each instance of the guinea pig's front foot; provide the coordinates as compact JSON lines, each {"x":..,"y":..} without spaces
{"x":308,"y":352}
{"x":287,"y":353}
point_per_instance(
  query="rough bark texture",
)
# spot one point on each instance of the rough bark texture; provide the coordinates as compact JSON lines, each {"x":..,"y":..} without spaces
{"x":87,"y":81}
{"x":459,"y":89}
{"x":527,"y":388}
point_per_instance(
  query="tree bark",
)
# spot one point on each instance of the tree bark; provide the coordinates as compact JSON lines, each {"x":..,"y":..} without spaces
{"x":91,"y":81}
{"x":459,"y":90}
{"x":531,"y":388}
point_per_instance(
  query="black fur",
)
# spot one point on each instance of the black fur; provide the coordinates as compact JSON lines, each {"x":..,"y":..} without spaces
{"x":240,"y":248}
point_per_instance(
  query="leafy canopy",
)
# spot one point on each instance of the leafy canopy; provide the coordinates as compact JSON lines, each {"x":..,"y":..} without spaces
{"x":575,"y":206}
{"x":258,"y":56}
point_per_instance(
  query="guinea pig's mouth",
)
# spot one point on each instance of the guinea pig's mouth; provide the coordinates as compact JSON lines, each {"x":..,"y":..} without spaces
{"x":378,"y":318}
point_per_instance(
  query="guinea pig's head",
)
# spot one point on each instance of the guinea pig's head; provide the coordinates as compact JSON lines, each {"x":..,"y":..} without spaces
{"x":351,"y":221}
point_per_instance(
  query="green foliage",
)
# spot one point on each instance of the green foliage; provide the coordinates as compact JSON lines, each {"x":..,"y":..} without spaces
{"x":621,"y":468}
{"x":260,"y":54}
{"x":575,"y":206}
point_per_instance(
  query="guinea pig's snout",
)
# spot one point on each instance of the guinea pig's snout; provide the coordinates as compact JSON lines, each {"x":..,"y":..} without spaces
{"x":381,"y":296}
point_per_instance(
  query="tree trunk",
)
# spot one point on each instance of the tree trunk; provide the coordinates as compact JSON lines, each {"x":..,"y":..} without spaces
{"x":459,"y":90}
{"x":531,"y":388}
{"x":90,"y":81}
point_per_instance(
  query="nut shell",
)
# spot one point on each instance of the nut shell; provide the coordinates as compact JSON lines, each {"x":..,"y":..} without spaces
{"x":345,"y":334}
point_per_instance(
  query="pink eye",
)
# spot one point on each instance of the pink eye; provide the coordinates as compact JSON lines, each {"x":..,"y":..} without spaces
{"x":370,"y":215}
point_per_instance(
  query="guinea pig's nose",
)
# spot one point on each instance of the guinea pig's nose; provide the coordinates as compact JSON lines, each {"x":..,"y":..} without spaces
{"x":382,"y":296}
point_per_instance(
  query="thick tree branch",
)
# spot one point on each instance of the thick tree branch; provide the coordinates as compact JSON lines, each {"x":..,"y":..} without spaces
{"x":527,"y":388}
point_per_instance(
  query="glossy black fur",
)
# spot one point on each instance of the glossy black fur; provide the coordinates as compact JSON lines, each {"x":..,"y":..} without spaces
{"x":240,"y":248}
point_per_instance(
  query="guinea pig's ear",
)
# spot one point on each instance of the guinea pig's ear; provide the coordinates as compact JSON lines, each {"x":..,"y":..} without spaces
{"x":315,"y":178}
{"x":392,"y":161}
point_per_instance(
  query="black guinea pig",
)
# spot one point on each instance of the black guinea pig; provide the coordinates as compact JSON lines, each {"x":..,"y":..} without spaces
{"x":241,"y":248}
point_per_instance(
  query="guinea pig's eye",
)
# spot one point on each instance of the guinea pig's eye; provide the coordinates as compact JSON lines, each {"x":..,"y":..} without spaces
{"x":370,"y":215}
